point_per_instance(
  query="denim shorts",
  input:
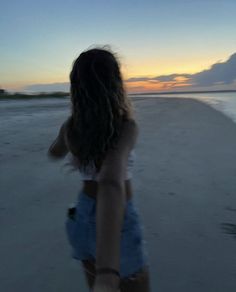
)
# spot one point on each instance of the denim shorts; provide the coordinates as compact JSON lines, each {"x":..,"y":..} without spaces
{"x":81,"y":234}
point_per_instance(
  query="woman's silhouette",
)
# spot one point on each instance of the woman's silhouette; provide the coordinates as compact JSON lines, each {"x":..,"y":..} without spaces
{"x":100,"y":135}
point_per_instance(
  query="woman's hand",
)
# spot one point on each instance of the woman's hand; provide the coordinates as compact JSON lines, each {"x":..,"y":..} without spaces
{"x":58,"y":148}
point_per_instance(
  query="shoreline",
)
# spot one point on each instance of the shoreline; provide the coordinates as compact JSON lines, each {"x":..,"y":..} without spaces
{"x":225,"y":104}
{"x":60,"y":94}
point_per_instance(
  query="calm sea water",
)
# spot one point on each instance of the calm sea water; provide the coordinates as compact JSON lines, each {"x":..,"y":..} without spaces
{"x":224,"y":102}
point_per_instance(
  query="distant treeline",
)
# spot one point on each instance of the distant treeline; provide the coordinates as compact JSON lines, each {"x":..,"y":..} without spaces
{"x":19,"y":95}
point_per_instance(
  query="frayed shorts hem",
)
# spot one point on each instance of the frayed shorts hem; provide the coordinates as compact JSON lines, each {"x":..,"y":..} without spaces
{"x":81,"y":234}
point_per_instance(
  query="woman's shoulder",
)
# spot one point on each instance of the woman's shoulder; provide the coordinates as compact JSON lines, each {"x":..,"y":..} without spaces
{"x":128,"y":135}
{"x":130,"y":124}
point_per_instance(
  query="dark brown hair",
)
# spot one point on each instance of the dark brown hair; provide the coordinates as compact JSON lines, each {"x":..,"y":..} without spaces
{"x":99,"y":106}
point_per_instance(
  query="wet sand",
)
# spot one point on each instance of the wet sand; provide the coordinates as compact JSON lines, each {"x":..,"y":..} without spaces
{"x":184,"y":186}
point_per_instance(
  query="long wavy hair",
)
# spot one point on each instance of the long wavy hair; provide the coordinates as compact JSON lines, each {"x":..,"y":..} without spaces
{"x":99,"y":105}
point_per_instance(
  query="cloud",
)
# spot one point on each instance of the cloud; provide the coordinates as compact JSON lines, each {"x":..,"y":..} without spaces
{"x":221,"y":75}
{"x":52,"y":87}
{"x":161,"y":78}
{"x":136,"y":79}
{"x":218,"y":74}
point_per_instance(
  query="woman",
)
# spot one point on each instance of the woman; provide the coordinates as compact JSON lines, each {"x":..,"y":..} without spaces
{"x":104,"y":230}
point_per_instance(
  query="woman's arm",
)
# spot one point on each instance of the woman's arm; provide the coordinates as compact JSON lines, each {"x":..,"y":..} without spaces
{"x":59,"y":148}
{"x":111,"y":203}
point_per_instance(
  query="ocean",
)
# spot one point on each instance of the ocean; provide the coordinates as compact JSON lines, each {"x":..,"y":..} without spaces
{"x":223,"y":102}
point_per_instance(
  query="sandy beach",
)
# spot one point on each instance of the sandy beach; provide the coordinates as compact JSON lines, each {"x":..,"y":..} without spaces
{"x":184,"y":186}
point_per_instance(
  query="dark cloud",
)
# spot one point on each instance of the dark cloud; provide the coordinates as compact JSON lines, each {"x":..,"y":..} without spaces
{"x":224,"y":73}
{"x":64,"y":87}
{"x":136,"y":79}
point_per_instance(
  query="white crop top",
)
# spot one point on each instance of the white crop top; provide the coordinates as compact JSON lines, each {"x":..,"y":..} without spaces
{"x":91,"y":174}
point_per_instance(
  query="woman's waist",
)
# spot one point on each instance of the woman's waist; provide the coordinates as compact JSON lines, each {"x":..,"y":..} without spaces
{"x":90,"y":188}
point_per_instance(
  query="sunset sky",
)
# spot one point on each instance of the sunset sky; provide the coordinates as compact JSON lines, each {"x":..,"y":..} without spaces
{"x":153,"y":39}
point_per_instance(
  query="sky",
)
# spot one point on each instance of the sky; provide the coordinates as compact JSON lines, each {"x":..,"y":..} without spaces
{"x":162,"y":45}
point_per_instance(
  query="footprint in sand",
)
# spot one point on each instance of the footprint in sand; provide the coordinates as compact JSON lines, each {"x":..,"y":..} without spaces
{"x":171,"y":193}
{"x":229,"y":228}
{"x":230,"y":209}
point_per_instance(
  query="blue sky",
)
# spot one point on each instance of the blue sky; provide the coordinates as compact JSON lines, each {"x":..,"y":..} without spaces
{"x":39,"y":40}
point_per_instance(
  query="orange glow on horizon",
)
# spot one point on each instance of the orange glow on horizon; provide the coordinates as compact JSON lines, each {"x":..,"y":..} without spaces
{"x":181,"y":78}
{"x":132,"y":66}
{"x":146,"y":86}
{"x":154,"y":66}
{"x":137,"y":86}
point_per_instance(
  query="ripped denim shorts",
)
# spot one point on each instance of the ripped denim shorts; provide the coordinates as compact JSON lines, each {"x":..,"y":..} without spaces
{"x":81,"y":234}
